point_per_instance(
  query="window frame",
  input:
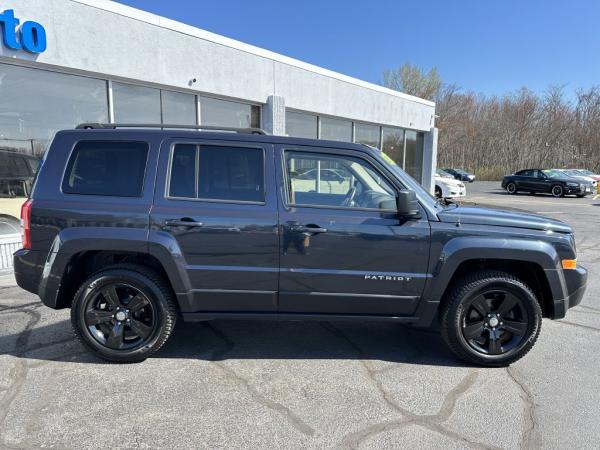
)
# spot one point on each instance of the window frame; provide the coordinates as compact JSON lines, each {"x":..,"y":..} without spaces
{"x":197,"y":144}
{"x":71,"y":152}
{"x":326,"y":152}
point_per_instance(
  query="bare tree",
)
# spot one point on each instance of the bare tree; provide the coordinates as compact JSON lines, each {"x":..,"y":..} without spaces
{"x":496,"y":135}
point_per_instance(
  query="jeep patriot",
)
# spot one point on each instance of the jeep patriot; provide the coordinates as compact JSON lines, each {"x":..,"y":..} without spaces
{"x":134,"y":227}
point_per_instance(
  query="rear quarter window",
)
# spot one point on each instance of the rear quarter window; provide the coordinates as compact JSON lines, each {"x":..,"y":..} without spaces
{"x":106,"y":168}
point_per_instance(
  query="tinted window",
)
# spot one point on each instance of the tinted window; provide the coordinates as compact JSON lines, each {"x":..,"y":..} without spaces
{"x":223,"y":113}
{"x":217,"y":173}
{"x":106,"y":168}
{"x":136,"y":104}
{"x":336,"y":181}
{"x":367,"y":134}
{"x":336,"y":129}
{"x":36,"y":103}
{"x":301,"y":125}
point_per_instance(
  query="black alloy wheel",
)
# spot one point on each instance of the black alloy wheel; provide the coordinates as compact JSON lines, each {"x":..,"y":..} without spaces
{"x":490,"y":318}
{"x":124,"y":313}
{"x":557,"y":191}
{"x":495,"y":322}
{"x":511,"y":188}
{"x":120,"y":316}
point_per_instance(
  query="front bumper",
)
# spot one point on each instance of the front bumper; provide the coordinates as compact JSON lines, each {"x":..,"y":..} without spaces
{"x":576,"y":282}
{"x":581,"y":190}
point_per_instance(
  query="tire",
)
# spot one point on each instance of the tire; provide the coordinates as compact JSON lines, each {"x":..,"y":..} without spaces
{"x":557,"y":191}
{"x":124,"y":313}
{"x":438,"y":192}
{"x":511,"y":188}
{"x":468,"y":330}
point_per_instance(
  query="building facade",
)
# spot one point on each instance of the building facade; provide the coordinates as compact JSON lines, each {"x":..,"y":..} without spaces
{"x":64,"y":62}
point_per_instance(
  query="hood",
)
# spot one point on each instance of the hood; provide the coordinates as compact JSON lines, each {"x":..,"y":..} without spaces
{"x":502,"y":217}
{"x":448,"y":181}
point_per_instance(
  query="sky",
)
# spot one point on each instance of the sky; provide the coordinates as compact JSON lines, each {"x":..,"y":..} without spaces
{"x":492,"y":47}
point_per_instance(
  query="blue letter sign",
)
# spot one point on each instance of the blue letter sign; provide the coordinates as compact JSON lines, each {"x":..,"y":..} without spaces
{"x":32,"y":34}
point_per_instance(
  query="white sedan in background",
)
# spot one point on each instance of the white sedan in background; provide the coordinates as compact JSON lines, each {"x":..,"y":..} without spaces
{"x":446,"y":186}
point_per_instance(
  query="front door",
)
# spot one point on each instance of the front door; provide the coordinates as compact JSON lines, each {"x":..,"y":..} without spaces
{"x":343,"y":248}
{"x":215,"y":203}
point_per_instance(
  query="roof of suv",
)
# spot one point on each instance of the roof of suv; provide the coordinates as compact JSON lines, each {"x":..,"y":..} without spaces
{"x":213,"y":135}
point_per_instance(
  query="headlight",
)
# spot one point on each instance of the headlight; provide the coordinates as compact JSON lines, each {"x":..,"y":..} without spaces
{"x":573,"y":184}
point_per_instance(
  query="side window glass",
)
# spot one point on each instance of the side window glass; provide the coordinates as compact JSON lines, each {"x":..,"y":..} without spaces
{"x":106,"y":168}
{"x":336,"y":181}
{"x":212,"y":172}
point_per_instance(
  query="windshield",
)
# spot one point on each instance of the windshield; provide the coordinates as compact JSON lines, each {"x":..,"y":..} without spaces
{"x":585,"y":172}
{"x":443,"y":174}
{"x":553,"y":173}
{"x":573,"y":173}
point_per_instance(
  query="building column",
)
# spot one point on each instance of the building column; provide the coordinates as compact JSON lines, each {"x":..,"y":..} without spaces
{"x":429,"y":159}
{"x":273,"y":116}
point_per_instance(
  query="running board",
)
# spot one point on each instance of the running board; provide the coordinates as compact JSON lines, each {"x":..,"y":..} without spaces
{"x":204,"y":316}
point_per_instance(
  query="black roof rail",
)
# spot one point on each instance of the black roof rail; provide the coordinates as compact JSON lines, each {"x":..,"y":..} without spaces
{"x":112,"y":126}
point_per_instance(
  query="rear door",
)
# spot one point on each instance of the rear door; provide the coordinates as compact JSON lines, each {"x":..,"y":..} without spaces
{"x":216,"y":200}
{"x":343,"y":248}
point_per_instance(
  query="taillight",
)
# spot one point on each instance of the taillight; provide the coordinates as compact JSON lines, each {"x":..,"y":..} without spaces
{"x":26,"y":223}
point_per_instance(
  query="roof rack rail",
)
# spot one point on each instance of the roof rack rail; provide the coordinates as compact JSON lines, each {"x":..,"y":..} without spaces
{"x":112,"y":126}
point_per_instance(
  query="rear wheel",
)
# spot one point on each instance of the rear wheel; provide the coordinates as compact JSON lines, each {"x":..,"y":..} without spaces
{"x":557,"y":191}
{"x":491,"y":319}
{"x":511,"y":188}
{"x":124,"y":313}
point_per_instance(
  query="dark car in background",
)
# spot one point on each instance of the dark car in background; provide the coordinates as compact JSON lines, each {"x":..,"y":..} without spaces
{"x":552,"y":182}
{"x":461,"y":175}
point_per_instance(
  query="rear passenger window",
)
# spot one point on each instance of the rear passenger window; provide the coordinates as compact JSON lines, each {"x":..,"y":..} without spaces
{"x":106,"y":168}
{"x":217,"y":173}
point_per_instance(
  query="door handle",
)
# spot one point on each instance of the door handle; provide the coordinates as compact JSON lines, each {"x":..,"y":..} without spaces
{"x":184,"y":222}
{"x":310,"y":228}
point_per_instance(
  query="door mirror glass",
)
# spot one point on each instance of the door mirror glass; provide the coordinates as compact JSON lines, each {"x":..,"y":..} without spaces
{"x":407,"y":204}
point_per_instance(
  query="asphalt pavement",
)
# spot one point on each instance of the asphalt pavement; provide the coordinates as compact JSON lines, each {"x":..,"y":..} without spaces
{"x":236,"y":384}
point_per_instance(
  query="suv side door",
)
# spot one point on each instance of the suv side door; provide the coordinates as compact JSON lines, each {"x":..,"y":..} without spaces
{"x":215,"y":207}
{"x":343,"y":248}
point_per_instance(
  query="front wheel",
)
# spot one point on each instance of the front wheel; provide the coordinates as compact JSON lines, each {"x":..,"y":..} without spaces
{"x":124,"y":313}
{"x":557,"y":191}
{"x":490,"y":319}
{"x":511,"y":188}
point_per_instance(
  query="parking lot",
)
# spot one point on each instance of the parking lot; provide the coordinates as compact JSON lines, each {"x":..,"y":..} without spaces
{"x":306,"y":384}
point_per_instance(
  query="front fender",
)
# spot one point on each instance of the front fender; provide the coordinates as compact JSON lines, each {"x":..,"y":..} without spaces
{"x":456,"y":251}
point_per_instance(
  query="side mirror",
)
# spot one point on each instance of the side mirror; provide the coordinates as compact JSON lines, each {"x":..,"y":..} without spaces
{"x":407,"y":204}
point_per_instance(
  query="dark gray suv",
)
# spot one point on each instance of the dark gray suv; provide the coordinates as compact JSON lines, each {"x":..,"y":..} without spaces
{"x":134,"y":228}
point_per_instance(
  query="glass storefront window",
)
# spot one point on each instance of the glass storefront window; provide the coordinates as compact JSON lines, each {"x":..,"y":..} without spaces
{"x":35,"y":104}
{"x":136,"y":104}
{"x":414,"y":154}
{"x":301,"y":125}
{"x":222,"y":113}
{"x":393,"y":144}
{"x":367,"y":134}
{"x":178,"y":108}
{"x":336,"y":129}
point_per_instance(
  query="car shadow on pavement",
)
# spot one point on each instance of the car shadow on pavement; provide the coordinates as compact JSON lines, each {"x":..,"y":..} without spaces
{"x":246,"y":340}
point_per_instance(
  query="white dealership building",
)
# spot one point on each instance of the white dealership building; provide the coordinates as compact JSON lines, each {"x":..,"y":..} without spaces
{"x":64,"y":62}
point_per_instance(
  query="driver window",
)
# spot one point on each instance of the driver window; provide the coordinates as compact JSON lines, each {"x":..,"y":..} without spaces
{"x":336,"y":181}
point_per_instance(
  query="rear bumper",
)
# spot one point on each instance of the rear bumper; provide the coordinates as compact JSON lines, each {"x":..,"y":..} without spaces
{"x":576,"y":282}
{"x":28,"y":267}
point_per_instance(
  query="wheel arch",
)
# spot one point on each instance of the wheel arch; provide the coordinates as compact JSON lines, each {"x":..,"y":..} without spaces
{"x":77,"y":253}
{"x":534,"y":262}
